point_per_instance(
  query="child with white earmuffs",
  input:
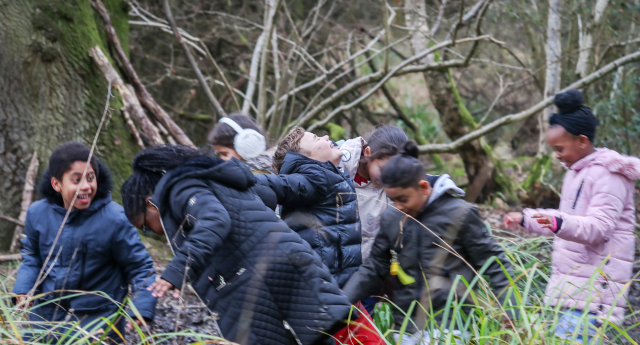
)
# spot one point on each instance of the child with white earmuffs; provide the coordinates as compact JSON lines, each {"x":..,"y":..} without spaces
{"x":237,"y":136}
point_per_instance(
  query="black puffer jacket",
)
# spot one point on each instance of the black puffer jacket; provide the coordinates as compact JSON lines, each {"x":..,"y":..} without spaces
{"x":452,"y":220}
{"x":245,"y":263}
{"x":319,"y":203}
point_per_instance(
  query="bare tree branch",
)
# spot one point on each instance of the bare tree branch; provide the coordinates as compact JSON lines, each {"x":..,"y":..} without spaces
{"x":271,"y":13}
{"x":132,"y":126}
{"x":586,"y":37}
{"x":393,"y":72}
{"x":129,"y":99}
{"x":194,"y":65}
{"x":12,"y":220}
{"x":491,"y":127}
{"x":253,"y":74}
{"x":553,"y":50}
{"x":143,"y":95}
{"x":27,"y":198}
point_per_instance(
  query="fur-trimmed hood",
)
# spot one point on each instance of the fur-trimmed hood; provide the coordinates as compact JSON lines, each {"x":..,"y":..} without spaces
{"x":105,"y":185}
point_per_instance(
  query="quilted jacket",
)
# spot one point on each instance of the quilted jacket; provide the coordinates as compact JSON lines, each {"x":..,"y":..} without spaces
{"x":319,"y":203}
{"x":598,"y":220}
{"x":434,"y":269}
{"x":98,"y":250}
{"x":246,"y":265}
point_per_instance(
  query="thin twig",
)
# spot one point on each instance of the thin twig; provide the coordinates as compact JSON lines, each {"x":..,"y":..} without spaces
{"x":42,"y":275}
{"x":27,"y":198}
{"x":582,"y":83}
{"x":143,"y":95}
{"x":194,"y":65}
{"x":219,"y":70}
{"x":493,"y":104}
{"x":132,"y":126}
{"x":12,"y":220}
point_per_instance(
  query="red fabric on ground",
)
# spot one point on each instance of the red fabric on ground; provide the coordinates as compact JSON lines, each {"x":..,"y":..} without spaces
{"x":360,"y":331}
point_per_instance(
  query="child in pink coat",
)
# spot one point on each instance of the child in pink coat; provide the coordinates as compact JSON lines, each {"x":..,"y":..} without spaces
{"x":594,"y":224}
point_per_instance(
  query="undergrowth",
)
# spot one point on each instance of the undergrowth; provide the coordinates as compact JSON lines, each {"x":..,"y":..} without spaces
{"x":473,"y":313}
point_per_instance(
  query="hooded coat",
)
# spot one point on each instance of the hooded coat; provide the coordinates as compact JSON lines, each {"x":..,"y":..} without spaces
{"x":598,"y":222}
{"x":372,"y":201}
{"x":262,"y":281}
{"x":319,"y":203}
{"x":98,"y":250}
{"x":451,"y":220}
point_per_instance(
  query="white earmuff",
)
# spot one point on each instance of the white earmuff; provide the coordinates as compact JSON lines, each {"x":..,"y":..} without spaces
{"x":248,"y":143}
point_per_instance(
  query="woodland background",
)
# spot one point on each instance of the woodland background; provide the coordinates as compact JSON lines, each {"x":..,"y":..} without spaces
{"x":471,"y":81}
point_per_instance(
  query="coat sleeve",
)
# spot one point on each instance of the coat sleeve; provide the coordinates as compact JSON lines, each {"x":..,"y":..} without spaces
{"x":292,"y":190}
{"x":371,"y":275}
{"x":532,"y":225}
{"x":604,"y":209}
{"x":31,"y":260}
{"x":194,"y":203}
{"x":137,"y":266}
{"x":480,"y":247}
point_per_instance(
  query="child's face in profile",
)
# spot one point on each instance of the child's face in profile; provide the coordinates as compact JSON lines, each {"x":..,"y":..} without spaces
{"x":410,"y":200}
{"x":568,"y":148}
{"x":375,"y":170}
{"x":71,"y":180}
{"x":320,"y":148}
{"x":150,"y":219}
{"x":226,"y":153}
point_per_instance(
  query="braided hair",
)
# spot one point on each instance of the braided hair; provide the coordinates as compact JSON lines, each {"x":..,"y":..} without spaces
{"x":149,"y":166}
{"x":403,"y":170}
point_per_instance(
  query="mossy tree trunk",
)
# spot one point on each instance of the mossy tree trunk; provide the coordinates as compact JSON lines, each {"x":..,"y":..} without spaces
{"x":51,"y":91}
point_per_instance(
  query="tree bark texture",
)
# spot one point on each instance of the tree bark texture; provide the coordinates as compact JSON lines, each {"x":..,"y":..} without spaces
{"x":52,"y":92}
{"x":454,"y":116}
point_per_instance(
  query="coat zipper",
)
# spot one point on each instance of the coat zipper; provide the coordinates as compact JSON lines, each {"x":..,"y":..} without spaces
{"x":575,"y":202}
{"x":84,"y":263}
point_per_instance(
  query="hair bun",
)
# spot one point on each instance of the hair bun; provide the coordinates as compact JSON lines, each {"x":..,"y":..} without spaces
{"x":410,"y":148}
{"x":568,"y":101}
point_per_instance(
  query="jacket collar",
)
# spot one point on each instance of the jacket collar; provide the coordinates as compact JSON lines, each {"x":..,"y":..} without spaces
{"x":293,"y":161}
{"x":232,"y":173}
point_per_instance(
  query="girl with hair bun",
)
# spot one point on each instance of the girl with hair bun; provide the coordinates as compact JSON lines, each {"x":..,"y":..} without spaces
{"x":595,"y":223}
{"x":414,"y":257}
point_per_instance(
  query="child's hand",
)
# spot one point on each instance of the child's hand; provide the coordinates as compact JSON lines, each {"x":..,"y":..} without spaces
{"x":21,"y":299}
{"x":512,"y":220}
{"x":161,"y":287}
{"x":137,"y":322}
{"x":545,"y":221}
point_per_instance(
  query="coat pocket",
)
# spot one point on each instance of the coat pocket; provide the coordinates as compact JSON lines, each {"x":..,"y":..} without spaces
{"x":90,"y":302}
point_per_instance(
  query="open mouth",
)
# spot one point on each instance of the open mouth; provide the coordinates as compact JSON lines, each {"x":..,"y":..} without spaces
{"x":84,"y":198}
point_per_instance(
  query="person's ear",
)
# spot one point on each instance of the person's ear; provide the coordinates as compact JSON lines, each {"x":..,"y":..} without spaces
{"x":56,"y":184}
{"x":583,"y":141}
{"x":367,"y":151}
{"x":425,"y":187}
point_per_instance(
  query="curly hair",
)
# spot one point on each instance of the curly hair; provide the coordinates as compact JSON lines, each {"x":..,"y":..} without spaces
{"x":290,"y":143}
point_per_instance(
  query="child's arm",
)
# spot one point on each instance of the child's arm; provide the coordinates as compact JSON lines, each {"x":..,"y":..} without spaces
{"x":293,"y":190}
{"x":137,"y":265}
{"x":604,"y":209}
{"x":530,"y":223}
{"x":372,"y":273}
{"x":193,"y":202}
{"x":31,"y":260}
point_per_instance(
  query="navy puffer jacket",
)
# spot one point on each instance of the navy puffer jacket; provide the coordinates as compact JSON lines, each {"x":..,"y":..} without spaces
{"x":245,"y":264}
{"x":98,"y":250}
{"x":319,"y":202}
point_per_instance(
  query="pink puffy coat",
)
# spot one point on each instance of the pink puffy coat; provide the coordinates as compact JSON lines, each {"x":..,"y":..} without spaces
{"x":598,"y":220}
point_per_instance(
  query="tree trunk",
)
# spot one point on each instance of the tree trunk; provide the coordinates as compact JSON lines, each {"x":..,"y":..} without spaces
{"x":52,"y":92}
{"x":454,"y":116}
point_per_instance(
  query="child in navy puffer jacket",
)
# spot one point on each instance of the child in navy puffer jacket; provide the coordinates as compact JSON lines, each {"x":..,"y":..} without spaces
{"x":97,"y":250}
